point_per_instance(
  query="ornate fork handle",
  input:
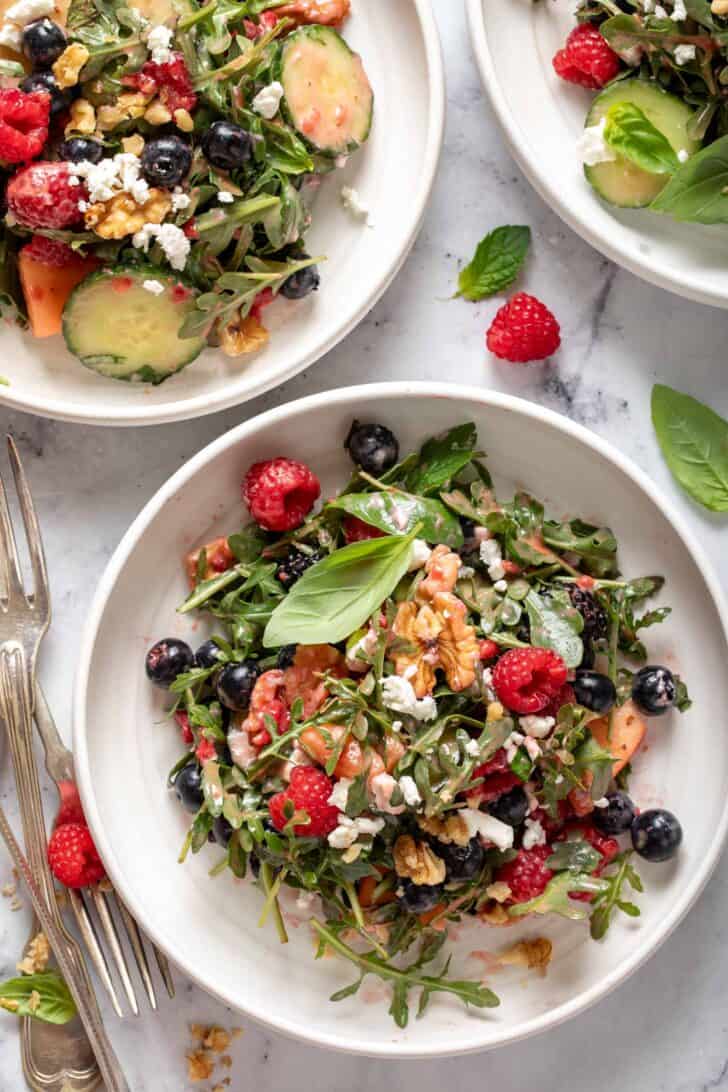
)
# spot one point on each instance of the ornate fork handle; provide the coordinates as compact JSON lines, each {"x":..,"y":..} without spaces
{"x":16,"y":707}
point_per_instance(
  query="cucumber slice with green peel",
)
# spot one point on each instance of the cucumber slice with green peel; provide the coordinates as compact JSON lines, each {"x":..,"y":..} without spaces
{"x":622,"y":182}
{"x":120,"y":329}
{"x":327,"y":96}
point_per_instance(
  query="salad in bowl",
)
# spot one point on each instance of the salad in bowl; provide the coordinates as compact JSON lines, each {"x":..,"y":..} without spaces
{"x":160,"y":161}
{"x":418,"y":705}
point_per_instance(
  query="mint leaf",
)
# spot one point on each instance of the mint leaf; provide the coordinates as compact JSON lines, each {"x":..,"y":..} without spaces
{"x":694,"y":443}
{"x":698,"y":190}
{"x":496,"y":263}
{"x":630,"y":132}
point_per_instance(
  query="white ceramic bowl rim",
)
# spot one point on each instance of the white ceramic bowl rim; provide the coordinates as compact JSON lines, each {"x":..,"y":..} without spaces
{"x":410,"y":390}
{"x":108,"y":414}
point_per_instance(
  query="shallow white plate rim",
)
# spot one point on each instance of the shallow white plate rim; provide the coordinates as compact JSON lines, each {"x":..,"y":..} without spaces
{"x":396,"y":390}
{"x":202,"y":404}
{"x":642,"y":267}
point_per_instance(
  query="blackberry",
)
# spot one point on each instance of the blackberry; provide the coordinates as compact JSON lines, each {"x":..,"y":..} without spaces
{"x":292,"y":567}
{"x":596,"y":623}
{"x":286,"y":656}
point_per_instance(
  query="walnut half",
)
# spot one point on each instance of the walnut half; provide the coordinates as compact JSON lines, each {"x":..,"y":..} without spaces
{"x":451,"y":830}
{"x":415,"y":861}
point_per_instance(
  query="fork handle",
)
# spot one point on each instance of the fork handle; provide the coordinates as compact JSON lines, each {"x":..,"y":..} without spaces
{"x":16,"y":707}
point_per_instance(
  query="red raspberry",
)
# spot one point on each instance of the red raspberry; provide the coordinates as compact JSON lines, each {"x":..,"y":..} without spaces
{"x":280,"y":493}
{"x":184,"y":726}
{"x":309,"y":790}
{"x":73,"y":857}
{"x":50,"y":252}
{"x":494,"y":786}
{"x":526,"y":679}
{"x":23,"y":124}
{"x":262,"y":300}
{"x":487,"y":650}
{"x":565,"y":696}
{"x":204,"y":751}
{"x":523,"y":330}
{"x":587,"y":58}
{"x":497,"y":764}
{"x":70,"y":810}
{"x":42,"y":195}
{"x":527,"y":874}
{"x":170,"y":81}
{"x":356,"y":530}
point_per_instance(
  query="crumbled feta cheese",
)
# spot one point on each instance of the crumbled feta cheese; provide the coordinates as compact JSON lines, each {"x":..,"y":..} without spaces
{"x":268,"y":100}
{"x":514,"y":741}
{"x":534,"y":834}
{"x":398,"y":694}
{"x":501,"y":586}
{"x":419,"y":555}
{"x":592,"y":148}
{"x":487,"y":827}
{"x":490,"y":555}
{"x":382,"y":786}
{"x":155,"y":287}
{"x":648,"y":6}
{"x":225,"y":197}
{"x":410,"y":791}
{"x":602,"y":802}
{"x":340,"y":793}
{"x":348,"y":830}
{"x":159,"y":40}
{"x":27,"y":11}
{"x":684,"y":53}
{"x":397,"y":725}
{"x":465,"y":572}
{"x":353,"y":203}
{"x":243,"y":752}
{"x":679,"y":12}
{"x":366,"y":646}
{"x":120,"y":173}
{"x":660,"y":12}
{"x":472,"y":748}
{"x":180,"y":200}
{"x":532,"y":748}
{"x":173,"y":241}
{"x":341,"y":161}
{"x":538,"y":727}
{"x":11,"y":36}
{"x":305,"y":900}
{"x":683,"y":155}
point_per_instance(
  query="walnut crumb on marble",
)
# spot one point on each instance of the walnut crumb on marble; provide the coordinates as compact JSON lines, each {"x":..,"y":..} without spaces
{"x":36,"y":956}
{"x":200,"y":1065}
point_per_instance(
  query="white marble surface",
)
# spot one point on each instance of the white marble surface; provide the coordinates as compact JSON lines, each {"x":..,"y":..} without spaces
{"x":666,"y":1030}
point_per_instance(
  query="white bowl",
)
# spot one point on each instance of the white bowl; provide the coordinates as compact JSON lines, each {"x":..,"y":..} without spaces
{"x":393,"y":172}
{"x":542,"y":117}
{"x":124,"y":747}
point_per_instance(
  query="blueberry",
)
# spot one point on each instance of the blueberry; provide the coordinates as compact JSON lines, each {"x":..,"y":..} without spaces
{"x":78,"y":149}
{"x":208,"y":655}
{"x":226,"y":145}
{"x":301,"y":283}
{"x":511,"y":807}
{"x":617,"y":816}
{"x":419,"y":898}
{"x":594,"y":691}
{"x":656,"y":835}
{"x":286,"y":656}
{"x":654,"y":690}
{"x":168,"y":659}
{"x":43,"y":42}
{"x":166,"y":160}
{"x":235,"y":684}
{"x":188,"y":787}
{"x":46,"y":81}
{"x":222,"y":831}
{"x":373,"y":447}
{"x":461,"y":862}
{"x":467,"y":526}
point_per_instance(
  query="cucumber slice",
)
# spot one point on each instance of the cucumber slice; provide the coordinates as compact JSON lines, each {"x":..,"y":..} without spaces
{"x":120,"y":329}
{"x":622,"y":182}
{"x":327,"y":96}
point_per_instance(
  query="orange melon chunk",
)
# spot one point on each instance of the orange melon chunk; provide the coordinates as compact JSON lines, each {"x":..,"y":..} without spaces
{"x":628,"y":731}
{"x":46,"y":289}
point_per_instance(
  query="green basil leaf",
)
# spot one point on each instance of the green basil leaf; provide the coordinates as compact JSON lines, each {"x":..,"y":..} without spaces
{"x":442,"y":457}
{"x":337,"y":595}
{"x":397,"y":513}
{"x":556,"y":624}
{"x":496,"y":263}
{"x":56,"y":1006}
{"x":698,"y":190}
{"x":630,"y":132}
{"x":694,"y":443}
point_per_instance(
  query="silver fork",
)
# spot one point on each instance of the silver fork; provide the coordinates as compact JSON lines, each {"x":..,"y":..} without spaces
{"x":24,"y":619}
{"x":102,"y":897}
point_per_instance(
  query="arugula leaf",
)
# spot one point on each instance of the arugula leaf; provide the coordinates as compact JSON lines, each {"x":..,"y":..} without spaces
{"x":694,"y":442}
{"x":596,"y":546}
{"x":248,"y":544}
{"x":556,"y":624}
{"x":337,"y":595}
{"x":630,"y":132}
{"x":496,"y":263}
{"x":397,"y":513}
{"x":573,"y":856}
{"x":442,"y":457}
{"x":698,"y":190}
{"x":55,"y":1004}
{"x":555,"y":897}
{"x":611,"y":899}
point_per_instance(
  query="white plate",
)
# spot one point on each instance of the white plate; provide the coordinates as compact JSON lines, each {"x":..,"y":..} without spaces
{"x":542,"y":116}
{"x":124,"y":747}
{"x":394,"y":172}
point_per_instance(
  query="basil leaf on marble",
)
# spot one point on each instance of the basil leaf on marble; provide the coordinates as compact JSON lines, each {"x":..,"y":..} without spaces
{"x":397,"y":513}
{"x":556,"y":624}
{"x":338,"y":594}
{"x":44,"y":996}
{"x":698,"y":190}
{"x":442,"y":457}
{"x":496,"y":263}
{"x":694,"y":442}
{"x":629,"y":132}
